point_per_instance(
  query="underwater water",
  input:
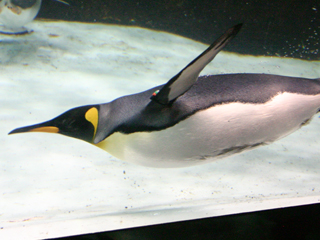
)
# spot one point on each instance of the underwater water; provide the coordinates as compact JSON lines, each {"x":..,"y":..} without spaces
{"x":52,"y":184}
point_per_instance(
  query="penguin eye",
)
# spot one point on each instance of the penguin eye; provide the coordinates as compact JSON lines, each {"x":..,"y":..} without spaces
{"x":92,"y":116}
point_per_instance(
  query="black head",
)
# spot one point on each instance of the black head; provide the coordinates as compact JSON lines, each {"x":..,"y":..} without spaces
{"x":80,"y":123}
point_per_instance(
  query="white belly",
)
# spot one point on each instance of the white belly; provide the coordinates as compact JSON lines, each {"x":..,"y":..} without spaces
{"x":216,"y":132}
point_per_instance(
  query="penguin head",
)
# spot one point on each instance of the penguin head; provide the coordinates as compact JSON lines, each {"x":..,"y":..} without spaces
{"x":80,"y":123}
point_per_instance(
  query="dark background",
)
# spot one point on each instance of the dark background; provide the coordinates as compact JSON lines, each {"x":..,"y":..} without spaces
{"x":275,"y":27}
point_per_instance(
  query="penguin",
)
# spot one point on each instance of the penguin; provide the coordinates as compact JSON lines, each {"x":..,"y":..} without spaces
{"x":14,"y":14}
{"x":193,"y":120}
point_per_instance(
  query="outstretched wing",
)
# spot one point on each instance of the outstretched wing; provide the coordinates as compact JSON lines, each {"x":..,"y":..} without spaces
{"x":183,"y":81}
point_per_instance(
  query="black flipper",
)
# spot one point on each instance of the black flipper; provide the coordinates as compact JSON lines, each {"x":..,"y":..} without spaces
{"x":184,"y":80}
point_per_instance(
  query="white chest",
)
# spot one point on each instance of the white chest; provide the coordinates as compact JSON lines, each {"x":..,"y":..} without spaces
{"x":216,"y":132}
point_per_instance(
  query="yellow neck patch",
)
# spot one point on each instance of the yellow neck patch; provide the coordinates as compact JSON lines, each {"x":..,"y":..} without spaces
{"x":92,"y":116}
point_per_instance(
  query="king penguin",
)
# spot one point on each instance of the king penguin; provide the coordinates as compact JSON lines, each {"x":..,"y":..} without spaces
{"x":193,"y":120}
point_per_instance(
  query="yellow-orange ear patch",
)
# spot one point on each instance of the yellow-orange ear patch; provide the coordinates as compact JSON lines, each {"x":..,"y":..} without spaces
{"x":92,"y":116}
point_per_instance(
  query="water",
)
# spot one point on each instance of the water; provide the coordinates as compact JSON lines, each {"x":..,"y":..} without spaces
{"x":52,"y":182}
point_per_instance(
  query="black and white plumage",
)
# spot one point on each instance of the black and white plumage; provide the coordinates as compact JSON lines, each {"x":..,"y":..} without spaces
{"x":14,"y":14}
{"x":193,"y":120}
